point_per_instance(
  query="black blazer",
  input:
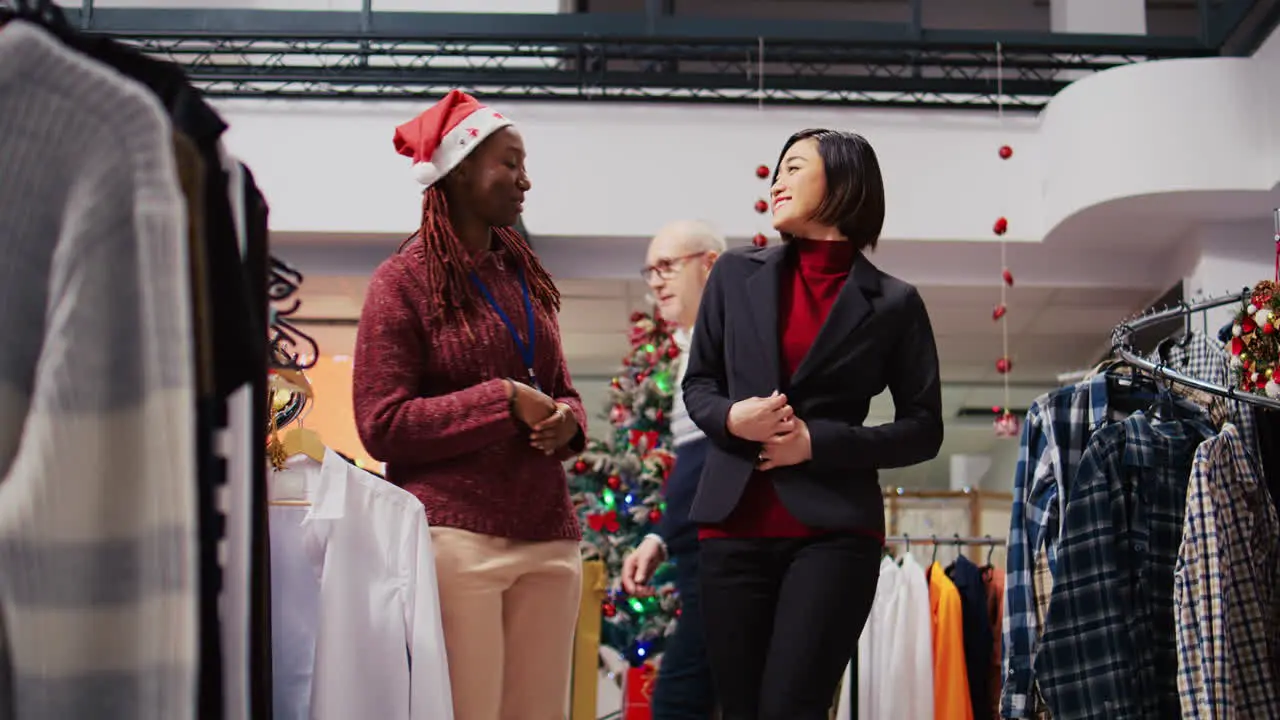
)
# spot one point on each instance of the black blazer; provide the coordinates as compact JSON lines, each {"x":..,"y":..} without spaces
{"x":877,"y":335}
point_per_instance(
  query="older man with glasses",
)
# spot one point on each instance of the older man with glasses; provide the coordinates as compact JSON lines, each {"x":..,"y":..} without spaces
{"x":677,"y":267}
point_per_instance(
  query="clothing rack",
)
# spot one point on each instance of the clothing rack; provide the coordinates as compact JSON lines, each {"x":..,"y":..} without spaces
{"x":1122,"y":349}
{"x":954,"y":540}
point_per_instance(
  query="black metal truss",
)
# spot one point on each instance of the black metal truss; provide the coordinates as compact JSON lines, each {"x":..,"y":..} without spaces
{"x":419,"y":55}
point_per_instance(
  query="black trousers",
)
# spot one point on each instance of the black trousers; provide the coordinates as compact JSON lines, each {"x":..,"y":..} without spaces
{"x":782,"y":619}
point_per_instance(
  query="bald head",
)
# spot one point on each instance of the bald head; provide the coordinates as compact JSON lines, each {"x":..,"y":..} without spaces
{"x":679,"y":262}
{"x":688,"y":236}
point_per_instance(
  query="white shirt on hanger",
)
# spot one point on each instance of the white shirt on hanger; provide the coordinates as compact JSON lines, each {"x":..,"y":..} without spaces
{"x":895,"y":652}
{"x":356,"y":629}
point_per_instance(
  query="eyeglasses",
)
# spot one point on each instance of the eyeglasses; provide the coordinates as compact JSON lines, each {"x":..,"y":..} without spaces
{"x":667,"y":268}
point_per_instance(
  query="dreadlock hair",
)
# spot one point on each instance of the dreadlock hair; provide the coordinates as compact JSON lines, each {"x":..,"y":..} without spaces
{"x":448,"y":267}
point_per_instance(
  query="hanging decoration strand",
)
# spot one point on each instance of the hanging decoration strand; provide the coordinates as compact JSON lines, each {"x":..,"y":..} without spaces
{"x":1004,"y":257}
{"x":760,"y":73}
{"x":1006,"y":425}
{"x":762,"y":171}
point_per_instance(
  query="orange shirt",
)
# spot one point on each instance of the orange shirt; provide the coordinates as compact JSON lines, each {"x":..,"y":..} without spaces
{"x":950,"y":676}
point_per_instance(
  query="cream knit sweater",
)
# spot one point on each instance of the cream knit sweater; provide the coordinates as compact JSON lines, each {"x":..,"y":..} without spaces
{"x":97,"y":466}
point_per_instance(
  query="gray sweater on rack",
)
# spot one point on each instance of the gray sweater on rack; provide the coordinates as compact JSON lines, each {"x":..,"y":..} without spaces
{"x":97,"y":461}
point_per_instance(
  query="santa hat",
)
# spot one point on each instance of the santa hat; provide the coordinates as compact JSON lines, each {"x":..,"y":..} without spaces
{"x":445,"y":133}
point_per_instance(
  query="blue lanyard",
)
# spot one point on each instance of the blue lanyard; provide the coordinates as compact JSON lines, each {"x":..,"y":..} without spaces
{"x":526,"y":348}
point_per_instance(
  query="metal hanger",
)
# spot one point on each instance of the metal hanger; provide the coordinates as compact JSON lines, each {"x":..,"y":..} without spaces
{"x":1123,"y":349}
{"x":282,"y":281}
{"x":284,"y":339}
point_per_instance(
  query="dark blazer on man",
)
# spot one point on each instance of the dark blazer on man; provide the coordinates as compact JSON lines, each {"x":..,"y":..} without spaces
{"x":877,"y":336}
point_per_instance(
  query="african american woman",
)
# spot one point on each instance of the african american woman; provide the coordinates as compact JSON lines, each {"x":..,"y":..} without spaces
{"x":791,"y":344}
{"x":461,"y":388}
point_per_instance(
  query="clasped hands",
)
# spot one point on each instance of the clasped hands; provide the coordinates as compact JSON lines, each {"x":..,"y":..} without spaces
{"x":552,"y":424}
{"x":770,"y":421}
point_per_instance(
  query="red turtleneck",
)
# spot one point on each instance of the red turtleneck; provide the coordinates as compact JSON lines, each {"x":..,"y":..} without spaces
{"x":809,"y":288}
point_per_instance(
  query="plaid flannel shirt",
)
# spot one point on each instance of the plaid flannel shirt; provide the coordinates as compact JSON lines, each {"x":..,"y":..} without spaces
{"x":1205,"y":358}
{"x":1108,"y":648}
{"x":1227,"y":588}
{"x":1057,"y":429}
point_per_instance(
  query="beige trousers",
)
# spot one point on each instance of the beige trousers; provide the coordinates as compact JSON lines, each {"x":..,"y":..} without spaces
{"x":510,"y":608}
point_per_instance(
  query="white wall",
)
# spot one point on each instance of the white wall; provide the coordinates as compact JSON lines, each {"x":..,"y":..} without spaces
{"x":611,"y":170}
{"x":595,"y":390}
{"x":1004,"y":462}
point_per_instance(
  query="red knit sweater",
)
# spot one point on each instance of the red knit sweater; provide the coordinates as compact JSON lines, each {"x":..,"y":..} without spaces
{"x":430,"y":402}
{"x":805,"y":295}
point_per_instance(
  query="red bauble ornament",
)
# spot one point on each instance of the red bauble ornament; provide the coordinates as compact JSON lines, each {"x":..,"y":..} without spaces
{"x":762,"y":172}
{"x":759,"y":240}
{"x":580,"y":467}
{"x":677,"y":612}
{"x":616,"y":383}
{"x":762,"y":206}
{"x":655,"y":515}
{"x":609,"y":609}
{"x":614,"y":482}
{"x":1004,"y":365}
{"x":1008,"y":277}
{"x":1006,"y":152}
{"x":1006,"y":425}
{"x":641,"y":376}
{"x":1237,"y":346}
{"x":1268,"y":329}
{"x":1248,"y":325}
{"x":996,"y":409}
{"x":999,"y":312}
{"x":1001,"y":226}
{"x":673,"y":352}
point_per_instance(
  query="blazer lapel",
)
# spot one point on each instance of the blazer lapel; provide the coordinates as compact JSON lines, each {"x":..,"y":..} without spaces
{"x":851,"y":307}
{"x":762,"y":293}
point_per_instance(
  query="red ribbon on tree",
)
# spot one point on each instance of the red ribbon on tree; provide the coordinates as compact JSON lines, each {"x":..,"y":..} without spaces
{"x":644,"y":439}
{"x":600,"y":522}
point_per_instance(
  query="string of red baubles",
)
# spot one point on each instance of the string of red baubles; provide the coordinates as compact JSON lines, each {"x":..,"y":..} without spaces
{"x":1004,"y":364}
{"x":762,"y":207}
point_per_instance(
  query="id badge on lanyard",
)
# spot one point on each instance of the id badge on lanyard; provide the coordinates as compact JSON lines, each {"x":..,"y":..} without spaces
{"x":527,"y":347}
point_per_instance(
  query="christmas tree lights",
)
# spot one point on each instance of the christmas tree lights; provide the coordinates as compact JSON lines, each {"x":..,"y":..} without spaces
{"x":617,"y":488}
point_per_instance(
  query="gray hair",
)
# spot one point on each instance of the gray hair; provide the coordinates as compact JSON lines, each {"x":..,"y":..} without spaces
{"x":701,"y":236}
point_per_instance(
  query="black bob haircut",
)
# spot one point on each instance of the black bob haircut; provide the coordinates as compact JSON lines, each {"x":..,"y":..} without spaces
{"x":854,"y":203}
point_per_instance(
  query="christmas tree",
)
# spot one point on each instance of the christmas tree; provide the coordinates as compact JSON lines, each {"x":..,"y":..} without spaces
{"x":617,"y":488}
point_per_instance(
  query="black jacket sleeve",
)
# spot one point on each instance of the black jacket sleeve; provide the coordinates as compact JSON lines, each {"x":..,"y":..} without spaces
{"x":915,"y":435}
